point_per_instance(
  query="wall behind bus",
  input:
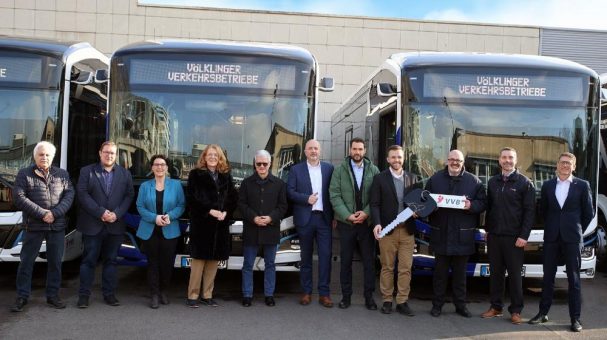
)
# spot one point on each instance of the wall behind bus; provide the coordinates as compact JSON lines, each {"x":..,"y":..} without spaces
{"x":348,"y":48}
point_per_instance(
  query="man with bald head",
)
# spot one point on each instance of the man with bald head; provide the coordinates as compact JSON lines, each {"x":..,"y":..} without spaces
{"x":308,"y":191}
{"x":452,"y":230}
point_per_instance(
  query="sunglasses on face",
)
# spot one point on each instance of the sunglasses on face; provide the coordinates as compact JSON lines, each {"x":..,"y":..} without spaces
{"x":264,"y":164}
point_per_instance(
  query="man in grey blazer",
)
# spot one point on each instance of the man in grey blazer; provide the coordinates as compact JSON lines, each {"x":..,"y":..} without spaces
{"x":104,"y":193}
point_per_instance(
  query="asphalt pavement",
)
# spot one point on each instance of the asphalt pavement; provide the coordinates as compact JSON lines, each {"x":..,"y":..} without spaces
{"x":287,"y":320}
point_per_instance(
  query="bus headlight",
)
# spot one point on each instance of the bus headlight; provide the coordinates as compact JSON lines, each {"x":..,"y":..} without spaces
{"x":587,"y":252}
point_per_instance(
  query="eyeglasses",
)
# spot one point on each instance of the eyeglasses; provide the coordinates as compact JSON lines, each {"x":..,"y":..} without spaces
{"x":111,"y":153}
{"x":453,"y":160}
{"x":262,"y":164}
{"x":159,"y":164}
{"x":566,"y":163}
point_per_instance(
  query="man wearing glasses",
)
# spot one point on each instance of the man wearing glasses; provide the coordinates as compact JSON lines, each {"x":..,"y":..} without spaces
{"x":452,"y":231}
{"x":263,"y":203}
{"x":104,"y":193}
{"x":566,"y":207}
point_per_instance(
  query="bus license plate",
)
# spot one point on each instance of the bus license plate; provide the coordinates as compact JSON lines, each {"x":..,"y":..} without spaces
{"x":486,"y":271}
{"x":187,"y":261}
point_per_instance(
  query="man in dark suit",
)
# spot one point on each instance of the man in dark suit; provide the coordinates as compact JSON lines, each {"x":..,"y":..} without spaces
{"x":388,"y":191}
{"x":104,"y":192}
{"x":308,"y":191}
{"x":566,"y":206}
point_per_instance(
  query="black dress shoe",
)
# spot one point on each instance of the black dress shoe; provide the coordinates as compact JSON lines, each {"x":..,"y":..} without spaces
{"x":109,"y":300}
{"x":344,"y":303}
{"x":83,"y":301}
{"x":154,"y":302}
{"x":403,"y":308}
{"x":539,"y":318}
{"x":19,"y":303}
{"x":270,"y":301}
{"x":435,"y":311}
{"x":576,"y":326}
{"x":463,"y":311}
{"x":55,"y":302}
{"x":386,"y":308}
{"x":164,"y":299}
{"x":370,"y":303}
{"x":209,"y":302}
{"x":246,"y":301}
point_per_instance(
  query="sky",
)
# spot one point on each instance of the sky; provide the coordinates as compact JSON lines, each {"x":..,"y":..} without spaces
{"x":586,"y":14}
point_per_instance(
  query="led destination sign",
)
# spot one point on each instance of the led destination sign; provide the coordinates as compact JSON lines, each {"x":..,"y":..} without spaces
{"x":212,"y":74}
{"x":20,"y":70}
{"x":487,"y":86}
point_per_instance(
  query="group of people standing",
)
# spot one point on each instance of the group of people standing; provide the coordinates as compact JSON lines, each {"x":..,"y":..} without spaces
{"x":363,"y":200}
{"x":354,"y":198}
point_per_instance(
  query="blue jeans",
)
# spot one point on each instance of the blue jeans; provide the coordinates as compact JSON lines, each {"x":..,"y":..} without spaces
{"x":316,"y":229}
{"x":106,"y":246}
{"x":269,"y":281}
{"x":55,"y":244}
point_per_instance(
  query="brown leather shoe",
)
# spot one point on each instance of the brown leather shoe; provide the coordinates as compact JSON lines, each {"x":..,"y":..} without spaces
{"x":516,"y":318}
{"x":325,"y":301}
{"x":305,"y":299}
{"x":491,"y":313}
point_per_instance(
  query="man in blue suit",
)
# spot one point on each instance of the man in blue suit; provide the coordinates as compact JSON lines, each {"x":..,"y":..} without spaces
{"x":105,"y":192}
{"x":308,"y":191}
{"x":566,"y":206}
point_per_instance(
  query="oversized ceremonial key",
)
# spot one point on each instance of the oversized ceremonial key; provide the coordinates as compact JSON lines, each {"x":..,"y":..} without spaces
{"x":419,"y":202}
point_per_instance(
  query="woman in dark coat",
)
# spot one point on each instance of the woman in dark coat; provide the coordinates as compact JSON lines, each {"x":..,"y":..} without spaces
{"x":212,"y":199}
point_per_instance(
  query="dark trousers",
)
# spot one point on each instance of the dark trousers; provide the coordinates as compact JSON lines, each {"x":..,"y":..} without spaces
{"x":55,"y":244}
{"x":161,"y":258}
{"x":350,"y":237}
{"x":442,"y":263}
{"x":105,"y":246}
{"x":504,"y":255}
{"x":571,"y":252}
{"x":269,"y":272}
{"x":317,"y":229}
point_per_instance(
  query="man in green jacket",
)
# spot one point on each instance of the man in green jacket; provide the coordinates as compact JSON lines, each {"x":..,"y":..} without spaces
{"x":349,"y":193}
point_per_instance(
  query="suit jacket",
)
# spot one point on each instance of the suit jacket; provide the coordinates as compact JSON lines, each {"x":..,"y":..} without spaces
{"x":570,"y":221}
{"x":299,"y":189}
{"x":384,"y":202}
{"x":93,"y":200}
{"x":173,"y":204}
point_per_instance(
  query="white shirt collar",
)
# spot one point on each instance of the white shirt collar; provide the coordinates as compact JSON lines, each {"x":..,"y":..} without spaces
{"x":313,"y":166}
{"x":568,"y":179}
{"x":395,"y":175}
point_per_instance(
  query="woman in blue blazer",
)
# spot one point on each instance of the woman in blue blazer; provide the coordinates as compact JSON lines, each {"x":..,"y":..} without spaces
{"x":160,"y":203}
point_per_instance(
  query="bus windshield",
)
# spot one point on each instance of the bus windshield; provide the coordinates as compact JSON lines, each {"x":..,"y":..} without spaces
{"x":243,"y":106}
{"x":480,"y":131}
{"x":27,"y":116}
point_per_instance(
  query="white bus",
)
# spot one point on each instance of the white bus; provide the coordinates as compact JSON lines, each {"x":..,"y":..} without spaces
{"x":174,"y":97}
{"x":431,"y":103}
{"x":47,"y":92}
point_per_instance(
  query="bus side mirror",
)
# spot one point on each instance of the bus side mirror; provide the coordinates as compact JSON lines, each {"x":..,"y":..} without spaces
{"x":385,"y":90}
{"x":326,"y":84}
{"x":101,"y":76}
{"x":83,"y":78}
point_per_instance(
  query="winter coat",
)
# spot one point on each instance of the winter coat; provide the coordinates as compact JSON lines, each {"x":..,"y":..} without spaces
{"x":341,"y":190}
{"x":259,"y":197}
{"x":510,"y":206}
{"x":452,"y":230}
{"x":210,"y":238}
{"x":35,"y":195}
